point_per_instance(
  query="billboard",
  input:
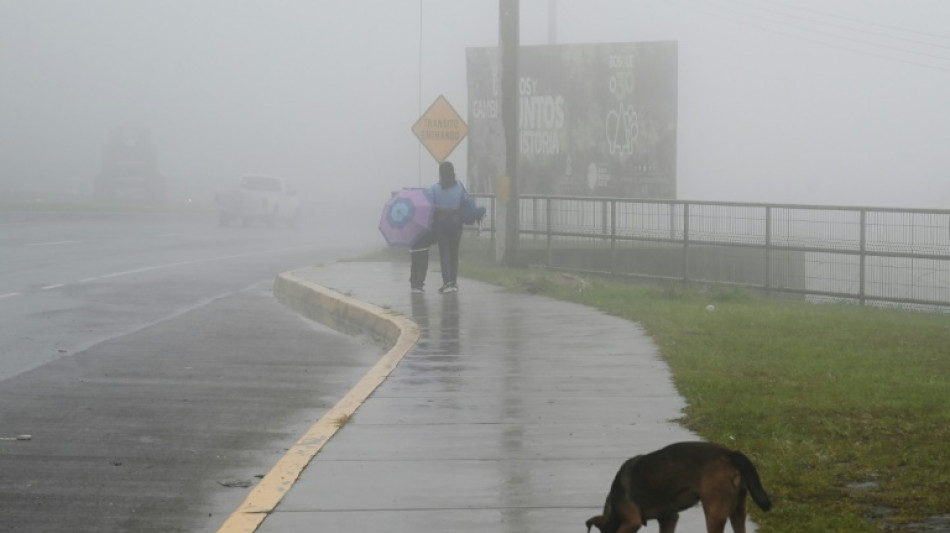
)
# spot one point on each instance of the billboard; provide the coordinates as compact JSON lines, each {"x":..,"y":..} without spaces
{"x":594,"y":119}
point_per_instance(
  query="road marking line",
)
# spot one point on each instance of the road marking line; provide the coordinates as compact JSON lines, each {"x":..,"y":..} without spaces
{"x":196,"y":261}
{"x":159,"y":267}
{"x":266,"y":495}
{"x":55,"y":243}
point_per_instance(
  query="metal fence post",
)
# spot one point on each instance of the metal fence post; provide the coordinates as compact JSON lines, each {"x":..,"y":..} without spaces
{"x":672,"y":207}
{"x":494,"y":214}
{"x":534,"y":218}
{"x":862,"y":257}
{"x":768,"y":248}
{"x":548,"y":226}
{"x":613,"y":238}
{"x":685,"y":242}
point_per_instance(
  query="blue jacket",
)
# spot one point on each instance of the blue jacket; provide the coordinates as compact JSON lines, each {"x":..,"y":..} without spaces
{"x":456,"y":197}
{"x":450,"y":198}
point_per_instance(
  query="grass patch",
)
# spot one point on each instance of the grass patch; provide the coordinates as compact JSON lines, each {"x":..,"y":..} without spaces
{"x":844,"y":409}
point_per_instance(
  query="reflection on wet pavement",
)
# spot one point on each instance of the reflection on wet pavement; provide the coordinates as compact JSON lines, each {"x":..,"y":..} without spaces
{"x":512,"y":413}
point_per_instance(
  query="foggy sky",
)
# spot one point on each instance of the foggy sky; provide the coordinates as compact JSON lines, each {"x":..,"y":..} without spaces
{"x":803,"y":101}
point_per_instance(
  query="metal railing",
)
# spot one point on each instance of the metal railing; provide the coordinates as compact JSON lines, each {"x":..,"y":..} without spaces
{"x":866,"y":255}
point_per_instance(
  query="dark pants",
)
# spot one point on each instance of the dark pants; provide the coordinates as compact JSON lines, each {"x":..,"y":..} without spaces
{"x":447,"y":227}
{"x":419,"y":260}
{"x":447,"y":234}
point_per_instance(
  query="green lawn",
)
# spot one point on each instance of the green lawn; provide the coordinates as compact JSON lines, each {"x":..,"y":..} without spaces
{"x":845,"y":410}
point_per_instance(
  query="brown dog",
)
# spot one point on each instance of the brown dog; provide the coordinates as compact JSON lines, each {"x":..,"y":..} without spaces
{"x":660,"y":484}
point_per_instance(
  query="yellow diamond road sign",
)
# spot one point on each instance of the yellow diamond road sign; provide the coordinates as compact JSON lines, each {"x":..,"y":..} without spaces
{"x":440,"y":129}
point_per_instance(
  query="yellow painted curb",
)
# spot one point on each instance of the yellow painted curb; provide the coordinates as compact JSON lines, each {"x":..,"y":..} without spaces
{"x":348,"y":315}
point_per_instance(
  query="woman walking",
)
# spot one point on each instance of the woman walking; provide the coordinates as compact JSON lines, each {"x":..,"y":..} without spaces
{"x":449,"y":197}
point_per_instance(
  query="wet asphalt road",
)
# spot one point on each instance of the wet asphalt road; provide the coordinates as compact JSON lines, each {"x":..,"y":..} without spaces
{"x":69,"y":281}
{"x":150,"y":363}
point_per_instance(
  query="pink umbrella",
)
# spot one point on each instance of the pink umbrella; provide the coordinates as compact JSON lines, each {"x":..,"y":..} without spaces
{"x":406,"y":217}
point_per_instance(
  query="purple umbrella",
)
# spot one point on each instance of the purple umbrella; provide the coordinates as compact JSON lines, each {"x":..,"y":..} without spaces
{"x":406,"y":217}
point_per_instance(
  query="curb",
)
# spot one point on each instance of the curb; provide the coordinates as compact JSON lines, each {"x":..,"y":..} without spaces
{"x":347,"y":315}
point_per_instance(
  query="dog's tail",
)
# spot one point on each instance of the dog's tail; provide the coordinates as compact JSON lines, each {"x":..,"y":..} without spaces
{"x":750,"y":477}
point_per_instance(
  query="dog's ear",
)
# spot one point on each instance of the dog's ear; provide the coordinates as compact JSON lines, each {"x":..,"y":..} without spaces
{"x":595,"y":521}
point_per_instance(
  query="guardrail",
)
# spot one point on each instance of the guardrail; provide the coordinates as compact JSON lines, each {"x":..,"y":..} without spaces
{"x":865,"y":255}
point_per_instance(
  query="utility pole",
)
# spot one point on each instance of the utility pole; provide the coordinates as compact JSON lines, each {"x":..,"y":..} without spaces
{"x":507,"y":189}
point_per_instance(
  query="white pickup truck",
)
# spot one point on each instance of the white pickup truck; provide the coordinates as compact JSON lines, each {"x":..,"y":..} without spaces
{"x":258,"y":198}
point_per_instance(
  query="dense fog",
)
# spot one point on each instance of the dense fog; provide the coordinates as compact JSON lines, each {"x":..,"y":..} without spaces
{"x":803,"y":101}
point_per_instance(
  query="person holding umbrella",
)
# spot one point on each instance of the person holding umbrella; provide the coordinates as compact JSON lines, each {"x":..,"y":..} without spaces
{"x":407,"y":221}
{"x":452,"y":205}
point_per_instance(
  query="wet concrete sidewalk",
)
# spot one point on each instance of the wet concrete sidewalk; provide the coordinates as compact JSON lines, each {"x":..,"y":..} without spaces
{"x":511,"y":413}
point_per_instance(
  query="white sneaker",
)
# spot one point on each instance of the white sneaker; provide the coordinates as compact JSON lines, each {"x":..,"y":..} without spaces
{"x":417,"y":290}
{"x":448,"y":288}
